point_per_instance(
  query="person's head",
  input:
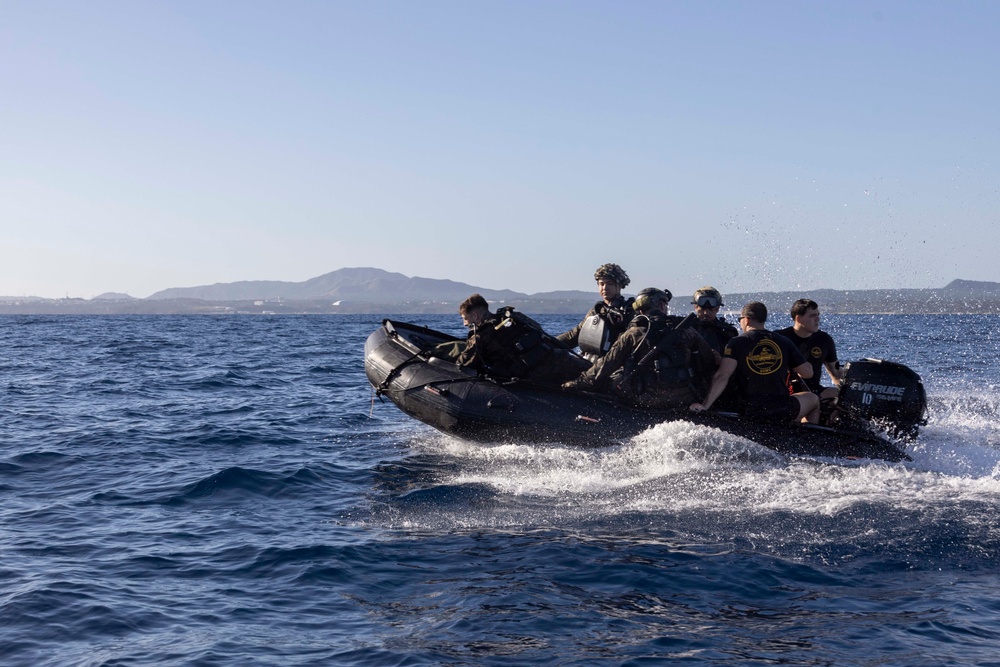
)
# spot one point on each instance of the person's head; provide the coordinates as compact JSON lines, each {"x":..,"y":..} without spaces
{"x":706,"y":302}
{"x":611,"y":280}
{"x":805,"y":315}
{"x":753,"y":313}
{"x":474,"y":310}
{"x":652,"y":298}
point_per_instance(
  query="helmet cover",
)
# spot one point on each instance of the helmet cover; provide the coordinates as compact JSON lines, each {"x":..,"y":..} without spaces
{"x":649,"y":296}
{"x":612,"y":272}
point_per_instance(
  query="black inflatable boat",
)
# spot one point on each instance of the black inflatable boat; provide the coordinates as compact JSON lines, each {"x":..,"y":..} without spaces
{"x":882,"y":405}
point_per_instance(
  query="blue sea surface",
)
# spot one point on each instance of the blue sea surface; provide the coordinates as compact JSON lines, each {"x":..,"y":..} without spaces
{"x":197,"y":490}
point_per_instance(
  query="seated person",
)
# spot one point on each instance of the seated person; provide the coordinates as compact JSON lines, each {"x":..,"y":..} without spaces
{"x":717,"y":332}
{"x":816,"y":346}
{"x":508,"y":345}
{"x":607,"y":320}
{"x":760,"y":362}
{"x":671,"y":378}
{"x":714,"y":329}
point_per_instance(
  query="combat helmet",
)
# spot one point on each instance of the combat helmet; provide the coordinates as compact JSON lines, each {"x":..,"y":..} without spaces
{"x":612,"y":272}
{"x":648,"y":297}
{"x":708,"y":294}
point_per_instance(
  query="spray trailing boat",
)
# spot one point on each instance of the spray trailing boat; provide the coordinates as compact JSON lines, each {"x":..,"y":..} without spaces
{"x":882,"y":404}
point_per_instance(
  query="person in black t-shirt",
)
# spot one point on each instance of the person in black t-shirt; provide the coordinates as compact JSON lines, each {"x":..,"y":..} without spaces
{"x":816,"y":346}
{"x":760,"y":362}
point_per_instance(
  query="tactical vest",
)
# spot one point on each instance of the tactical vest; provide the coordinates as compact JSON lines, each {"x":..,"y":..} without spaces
{"x":600,"y":331}
{"x":716,"y":333}
{"x":523,"y":338}
{"x":673,"y":367}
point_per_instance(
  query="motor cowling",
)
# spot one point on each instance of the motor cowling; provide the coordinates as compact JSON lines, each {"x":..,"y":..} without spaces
{"x":884,"y":394}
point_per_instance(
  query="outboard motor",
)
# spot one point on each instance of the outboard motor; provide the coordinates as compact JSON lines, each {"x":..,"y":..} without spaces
{"x":884,"y":394}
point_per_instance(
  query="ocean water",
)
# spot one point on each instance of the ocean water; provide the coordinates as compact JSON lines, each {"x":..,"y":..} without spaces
{"x":227,"y":491}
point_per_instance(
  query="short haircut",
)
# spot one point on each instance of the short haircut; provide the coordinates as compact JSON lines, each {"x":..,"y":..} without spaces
{"x":755,"y":311}
{"x":474,"y":302}
{"x":801,"y":306}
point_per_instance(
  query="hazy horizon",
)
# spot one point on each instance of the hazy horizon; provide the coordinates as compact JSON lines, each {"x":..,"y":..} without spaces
{"x":631,"y":290}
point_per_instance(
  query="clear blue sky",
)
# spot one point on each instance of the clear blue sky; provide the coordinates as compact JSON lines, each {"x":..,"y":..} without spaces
{"x":751,"y":145}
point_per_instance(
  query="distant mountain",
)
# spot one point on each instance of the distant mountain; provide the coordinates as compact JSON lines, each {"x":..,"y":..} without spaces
{"x":113,"y":296}
{"x":973,"y":287}
{"x":378,"y":292}
{"x":365,"y":285}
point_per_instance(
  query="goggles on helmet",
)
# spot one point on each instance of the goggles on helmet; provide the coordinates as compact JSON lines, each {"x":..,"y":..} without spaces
{"x":706,"y":301}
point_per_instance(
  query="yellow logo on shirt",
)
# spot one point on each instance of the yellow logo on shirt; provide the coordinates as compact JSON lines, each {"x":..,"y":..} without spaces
{"x":765,"y":358}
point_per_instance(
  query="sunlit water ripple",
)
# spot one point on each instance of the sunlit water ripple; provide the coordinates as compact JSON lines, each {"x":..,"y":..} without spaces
{"x":225,"y":491}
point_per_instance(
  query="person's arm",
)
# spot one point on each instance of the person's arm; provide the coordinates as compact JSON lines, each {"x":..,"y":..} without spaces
{"x":835,"y":371}
{"x":571,"y":338}
{"x":719,"y":382}
{"x":804,"y":370}
{"x":707,"y":358}
{"x":796,"y":360}
{"x":469,"y":355}
{"x":476,"y":347}
{"x":833,"y":364}
{"x":598,"y":375}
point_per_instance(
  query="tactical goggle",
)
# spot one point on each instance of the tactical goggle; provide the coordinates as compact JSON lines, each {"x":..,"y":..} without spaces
{"x":709,"y":301}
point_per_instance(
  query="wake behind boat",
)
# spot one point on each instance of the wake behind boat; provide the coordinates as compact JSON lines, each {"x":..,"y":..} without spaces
{"x":882,"y":405}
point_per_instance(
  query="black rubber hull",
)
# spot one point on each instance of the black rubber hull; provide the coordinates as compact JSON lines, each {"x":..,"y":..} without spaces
{"x":457,"y":402}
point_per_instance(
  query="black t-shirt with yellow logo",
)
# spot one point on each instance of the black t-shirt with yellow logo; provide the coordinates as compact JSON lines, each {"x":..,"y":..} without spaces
{"x":817,"y":348}
{"x":763,"y":362}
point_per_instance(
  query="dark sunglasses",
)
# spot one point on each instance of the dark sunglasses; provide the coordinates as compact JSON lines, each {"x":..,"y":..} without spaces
{"x":709,"y":302}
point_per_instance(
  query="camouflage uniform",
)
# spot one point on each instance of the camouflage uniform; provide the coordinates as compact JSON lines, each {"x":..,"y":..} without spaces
{"x":688,"y":355}
{"x":512,"y":345}
{"x":617,"y":317}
